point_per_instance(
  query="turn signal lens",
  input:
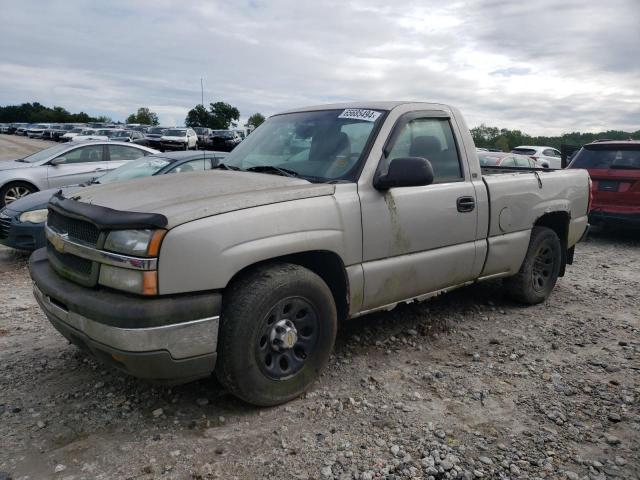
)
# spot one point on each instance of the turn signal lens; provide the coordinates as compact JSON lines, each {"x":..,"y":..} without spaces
{"x":154,"y":244}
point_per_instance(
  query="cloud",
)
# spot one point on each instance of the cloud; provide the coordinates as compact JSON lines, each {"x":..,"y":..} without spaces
{"x":543,"y":67}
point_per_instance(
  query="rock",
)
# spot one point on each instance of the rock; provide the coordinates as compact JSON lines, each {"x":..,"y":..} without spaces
{"x":41,"y":424}
{"x":611,"y":439}
{"x":60,"y":468}
{"x":571,"y":475}
{"x":157,"y":412}
{"x":514,"y":469}
{"x":326,"y":472}
{"x":395,"y":450}
{"x":621,"y":462}
{"x":486,"y":460}
{"x":614,"y":417}
{"x":201,"y":402}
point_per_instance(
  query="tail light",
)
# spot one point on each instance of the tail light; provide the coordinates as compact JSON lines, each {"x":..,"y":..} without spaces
{"x":590,"y":195}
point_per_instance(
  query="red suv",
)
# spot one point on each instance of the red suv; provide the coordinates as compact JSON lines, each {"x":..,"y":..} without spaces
{"x":614,"y":167}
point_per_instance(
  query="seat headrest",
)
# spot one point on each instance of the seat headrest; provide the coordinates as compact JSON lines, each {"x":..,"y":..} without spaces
{"x":425,"y":146}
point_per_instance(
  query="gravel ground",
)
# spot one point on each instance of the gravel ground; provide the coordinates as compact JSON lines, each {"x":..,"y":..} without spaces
{"x":13,"y":146}
{"x":468,"y":385}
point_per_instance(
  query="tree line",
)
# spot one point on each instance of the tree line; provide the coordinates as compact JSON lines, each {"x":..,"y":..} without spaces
{"x":221,"y":116}
{"x":38,"y":113}
{"x":505,"y":139}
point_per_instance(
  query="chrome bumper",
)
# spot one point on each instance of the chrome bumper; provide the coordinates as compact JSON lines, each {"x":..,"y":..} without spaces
{"x":181,"y":340}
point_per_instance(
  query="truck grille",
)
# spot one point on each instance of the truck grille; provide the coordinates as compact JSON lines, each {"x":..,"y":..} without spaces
{"x":77,"y":265}
{"x":77,"y":229}
{"x":5,"y":225}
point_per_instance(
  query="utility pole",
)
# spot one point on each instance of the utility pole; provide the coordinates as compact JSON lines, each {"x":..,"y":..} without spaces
{"x":201,"y":93}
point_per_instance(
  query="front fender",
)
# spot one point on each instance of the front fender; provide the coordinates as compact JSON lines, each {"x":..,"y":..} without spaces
{"x":205,"y":254}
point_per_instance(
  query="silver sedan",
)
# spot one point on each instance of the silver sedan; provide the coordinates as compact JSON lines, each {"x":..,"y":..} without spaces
{"x":62,"y":165}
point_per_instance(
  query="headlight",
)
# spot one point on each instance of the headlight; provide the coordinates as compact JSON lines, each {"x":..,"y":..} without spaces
{"x":135,"y":242}
{"x":34,"y":216}
{"x":135,"y":281}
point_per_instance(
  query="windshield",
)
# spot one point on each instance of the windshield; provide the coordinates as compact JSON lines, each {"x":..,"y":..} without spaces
{"x":156,"y":130}
{"x":175,"y":133}
{"x":46,"y":153}
{"x":142,"y":167}
{"x":524,"y":151}
{"x":223,"y":133}
{"x":200,"y":130}
{"x":120,"y":133}
{"x":608,"y":156}
{"x":323,"y":145}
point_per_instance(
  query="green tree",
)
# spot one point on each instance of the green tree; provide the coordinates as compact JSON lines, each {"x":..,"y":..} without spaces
{"x":198,"y":116}
{"x":222,"y":116}
{"x":144,"y":116}
{"x":256,"y":120}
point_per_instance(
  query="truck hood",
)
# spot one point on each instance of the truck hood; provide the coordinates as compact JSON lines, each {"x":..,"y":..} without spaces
{"x":185,"y":197}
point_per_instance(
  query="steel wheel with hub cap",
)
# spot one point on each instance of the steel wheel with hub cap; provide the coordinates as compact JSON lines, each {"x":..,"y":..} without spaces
{"x":540,"y":269}
{"x":277,"y":330}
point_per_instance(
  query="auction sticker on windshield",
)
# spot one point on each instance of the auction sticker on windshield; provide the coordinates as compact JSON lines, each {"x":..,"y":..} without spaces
{"x":360,"y":114}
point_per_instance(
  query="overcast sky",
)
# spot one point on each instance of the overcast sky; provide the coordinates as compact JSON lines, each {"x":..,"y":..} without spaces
{"x":541,"y":66}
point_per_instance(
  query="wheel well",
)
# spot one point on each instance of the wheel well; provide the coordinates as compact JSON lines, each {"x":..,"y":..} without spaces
{"x":559,"y":223}
{"x":327,"y":265}
{"x":23,"y":182}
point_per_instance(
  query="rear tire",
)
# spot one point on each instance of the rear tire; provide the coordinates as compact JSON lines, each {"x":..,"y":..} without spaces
{"x":277,"y":330}
{"x":539,"y":271}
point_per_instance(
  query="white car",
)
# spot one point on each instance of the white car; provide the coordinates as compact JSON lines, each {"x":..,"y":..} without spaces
{"x":71,"y":134}
{"x":179,"y":139}
{"x":36,"y":130}
{"x":547,"y":157}
{"x":94,"y":134}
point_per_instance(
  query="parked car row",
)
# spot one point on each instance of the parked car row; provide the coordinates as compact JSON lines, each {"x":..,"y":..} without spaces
{"x":160,"y":138}
{"x":22,"y":221}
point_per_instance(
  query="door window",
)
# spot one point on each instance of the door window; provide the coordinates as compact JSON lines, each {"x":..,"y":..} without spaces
{"x":522,"y":161}
{"x":430,"y":138}
{"x":122,"y":152}
{"x":90,"y":153}
{"x":508,"y":162}
{"x":549,"y":152}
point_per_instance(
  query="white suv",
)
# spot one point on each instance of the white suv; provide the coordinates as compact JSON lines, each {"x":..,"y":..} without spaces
{"x":179,"y":139}
{"x":548,"y":157}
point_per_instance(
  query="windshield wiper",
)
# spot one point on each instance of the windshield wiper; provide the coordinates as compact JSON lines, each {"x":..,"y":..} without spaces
{"x":222,"y":166}
{"x":285,"y":172}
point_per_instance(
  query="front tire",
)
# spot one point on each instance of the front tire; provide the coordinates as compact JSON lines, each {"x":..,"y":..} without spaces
{"x":539,"y":271}
{"x":14,"y":191}
{"x":277,"y":330}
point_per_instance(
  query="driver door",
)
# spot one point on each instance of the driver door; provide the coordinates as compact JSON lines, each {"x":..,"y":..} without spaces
{"x":80,"y":165}
{"x":417,"y":240}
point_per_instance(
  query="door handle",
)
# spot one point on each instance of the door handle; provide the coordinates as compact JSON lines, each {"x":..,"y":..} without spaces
{"x":466,"y":204}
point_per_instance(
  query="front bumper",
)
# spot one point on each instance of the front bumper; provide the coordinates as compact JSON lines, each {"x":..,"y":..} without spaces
{"x":170,"y":340}
{"x":21,"y":235}
{"x":173,"y":145}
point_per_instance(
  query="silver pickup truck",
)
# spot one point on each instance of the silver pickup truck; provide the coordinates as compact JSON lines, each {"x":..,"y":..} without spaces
{"x":322,"y":214}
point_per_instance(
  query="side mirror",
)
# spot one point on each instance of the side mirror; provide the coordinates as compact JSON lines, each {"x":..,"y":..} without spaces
{"x":58,"y":161}
{"x":406,"y":172}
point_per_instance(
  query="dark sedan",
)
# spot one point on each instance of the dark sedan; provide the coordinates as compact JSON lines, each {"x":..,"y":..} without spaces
{"x":153,"y":136}
{"x":22,"y":223}
{"x":224,"y":140}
